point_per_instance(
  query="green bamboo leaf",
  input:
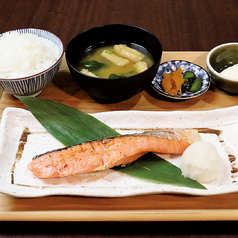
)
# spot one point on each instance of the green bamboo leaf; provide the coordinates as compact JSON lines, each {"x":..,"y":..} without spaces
{"x":71,"y":126}
{"x":152,"y":168}
{"x":67,"y":124}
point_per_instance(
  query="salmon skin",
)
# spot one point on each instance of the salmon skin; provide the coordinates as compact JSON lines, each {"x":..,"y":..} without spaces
{"x":109,"y":152}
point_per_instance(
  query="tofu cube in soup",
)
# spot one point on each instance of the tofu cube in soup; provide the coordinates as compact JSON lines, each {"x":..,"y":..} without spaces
{"x":140,"y":66}
{"x":114,"y":58}
{"x":129,"y":53}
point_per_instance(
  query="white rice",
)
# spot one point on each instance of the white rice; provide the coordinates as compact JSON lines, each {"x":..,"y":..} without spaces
{"x":27,"y":54}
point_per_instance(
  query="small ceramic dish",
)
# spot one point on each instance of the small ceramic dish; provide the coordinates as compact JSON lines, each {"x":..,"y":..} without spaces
{"x":219,"y":58}
{"x":169,"y":67}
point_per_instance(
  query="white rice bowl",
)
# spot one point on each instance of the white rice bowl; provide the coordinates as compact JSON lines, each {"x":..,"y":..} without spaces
{"x":26,"y":54}
{"x":29,"y":60}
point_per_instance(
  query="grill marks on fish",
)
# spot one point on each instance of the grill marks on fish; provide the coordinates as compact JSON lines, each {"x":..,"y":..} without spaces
{"x":110,"y":152}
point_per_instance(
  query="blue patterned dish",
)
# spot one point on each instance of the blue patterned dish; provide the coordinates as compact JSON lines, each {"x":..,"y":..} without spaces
{"x":34,"y":84}
{"x":170,"y":66}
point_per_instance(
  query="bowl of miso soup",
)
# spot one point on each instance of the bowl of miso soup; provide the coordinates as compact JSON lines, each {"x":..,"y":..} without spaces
{"x":112,"y":63}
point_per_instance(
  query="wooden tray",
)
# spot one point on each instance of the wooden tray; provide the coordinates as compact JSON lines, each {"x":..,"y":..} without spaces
{"x":166,"y":207}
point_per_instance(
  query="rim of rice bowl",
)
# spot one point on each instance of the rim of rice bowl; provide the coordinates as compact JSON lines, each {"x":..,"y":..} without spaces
{"x":31,"y":31}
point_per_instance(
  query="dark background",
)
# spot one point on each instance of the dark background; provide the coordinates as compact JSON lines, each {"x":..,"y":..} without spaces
{"x":187,"y":25}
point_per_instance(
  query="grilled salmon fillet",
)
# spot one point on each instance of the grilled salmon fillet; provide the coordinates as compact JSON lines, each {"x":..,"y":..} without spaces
{"x":109,"y":152}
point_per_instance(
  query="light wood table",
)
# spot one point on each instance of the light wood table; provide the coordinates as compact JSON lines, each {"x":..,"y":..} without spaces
{"x":164,"y":207}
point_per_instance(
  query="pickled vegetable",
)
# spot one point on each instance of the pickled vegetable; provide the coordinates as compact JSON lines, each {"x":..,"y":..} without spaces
{"x":166,"y":83}
{"x":197,"y":84}
{"x":177,"y":83}
{"x":172,"y":83}
{"x":189,"y":75}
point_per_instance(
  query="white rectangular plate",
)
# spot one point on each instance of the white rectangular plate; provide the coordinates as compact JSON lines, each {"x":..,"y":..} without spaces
{"x":22,"y":137}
